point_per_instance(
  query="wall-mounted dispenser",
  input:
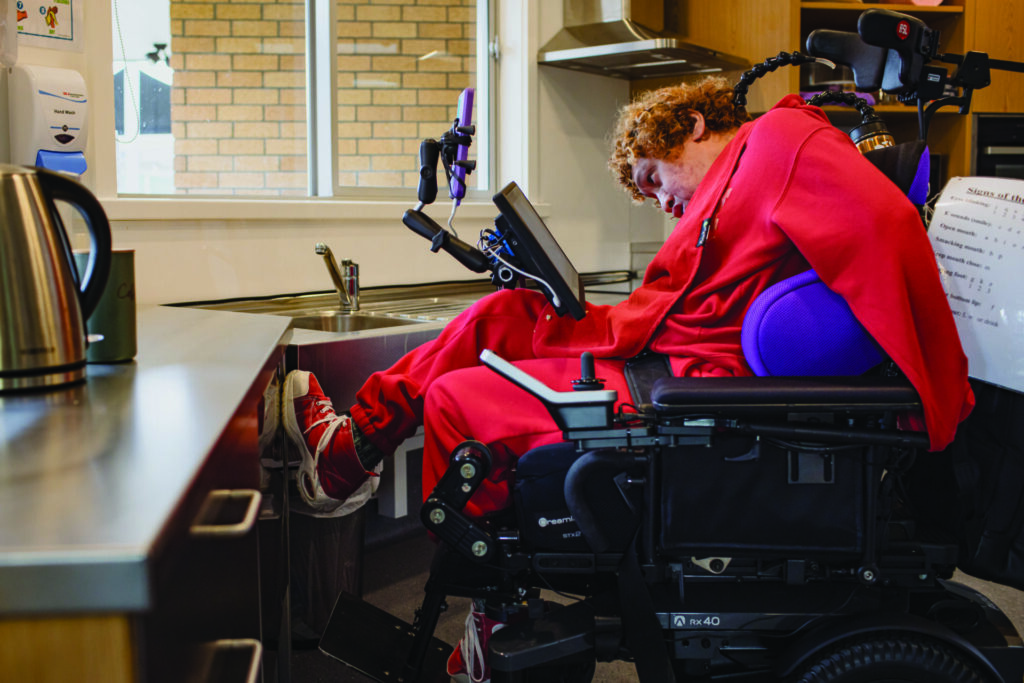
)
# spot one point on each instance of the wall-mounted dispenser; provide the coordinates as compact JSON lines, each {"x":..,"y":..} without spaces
{"x":48,"y":118}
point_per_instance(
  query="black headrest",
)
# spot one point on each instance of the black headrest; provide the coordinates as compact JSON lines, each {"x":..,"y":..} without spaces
{"x":866,"y":61}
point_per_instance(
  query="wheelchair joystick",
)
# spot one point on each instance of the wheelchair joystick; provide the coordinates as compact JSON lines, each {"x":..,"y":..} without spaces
{"x":587,"y":381}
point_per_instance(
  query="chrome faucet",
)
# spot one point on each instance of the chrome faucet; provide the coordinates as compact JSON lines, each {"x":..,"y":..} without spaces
{"x":346,"y":280}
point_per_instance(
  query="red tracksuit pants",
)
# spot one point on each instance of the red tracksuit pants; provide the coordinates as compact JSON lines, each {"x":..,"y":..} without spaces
{"x":442,"y":386}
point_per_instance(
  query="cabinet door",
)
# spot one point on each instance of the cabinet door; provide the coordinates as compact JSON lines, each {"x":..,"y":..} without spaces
{"x":205,"y":622}
{"x":755,"y":30}
{"x":999,"y":32}
{"x":752,"y":29}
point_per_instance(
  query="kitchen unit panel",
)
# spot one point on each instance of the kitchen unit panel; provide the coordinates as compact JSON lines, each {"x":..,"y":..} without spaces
{"x":116,"y":563}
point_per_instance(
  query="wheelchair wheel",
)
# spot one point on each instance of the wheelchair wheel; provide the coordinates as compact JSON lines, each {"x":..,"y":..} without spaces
{"x":892,"y":658}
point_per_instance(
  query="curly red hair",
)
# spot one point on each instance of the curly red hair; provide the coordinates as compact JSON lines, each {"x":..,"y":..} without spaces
{"x":658,"y":122}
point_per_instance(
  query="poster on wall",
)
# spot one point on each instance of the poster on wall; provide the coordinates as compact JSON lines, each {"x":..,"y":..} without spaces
{"x":977,"y":233}
{"x":56,"y":24}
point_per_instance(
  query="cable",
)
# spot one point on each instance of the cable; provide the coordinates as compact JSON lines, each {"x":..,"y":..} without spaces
{"x":809,"y":447}
{"x":492,"y":252}
{"x":451,"y":218}
{"x":127,"y":78}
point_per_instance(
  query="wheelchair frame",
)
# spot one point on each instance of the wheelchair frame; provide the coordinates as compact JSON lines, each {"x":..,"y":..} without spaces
{"x":882,"y":601}
{"x":722,"y":612}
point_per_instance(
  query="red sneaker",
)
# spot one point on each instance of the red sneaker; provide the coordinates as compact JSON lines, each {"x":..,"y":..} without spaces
{"x":468,"y":663}
{"x":330,"y":471}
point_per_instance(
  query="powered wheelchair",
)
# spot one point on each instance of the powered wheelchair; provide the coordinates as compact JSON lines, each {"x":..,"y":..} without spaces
{"x":730,"y":529}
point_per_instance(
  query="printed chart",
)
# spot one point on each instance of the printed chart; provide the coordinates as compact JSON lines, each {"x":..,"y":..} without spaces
{"x":977,"y":233}
{"x":49,"y":23}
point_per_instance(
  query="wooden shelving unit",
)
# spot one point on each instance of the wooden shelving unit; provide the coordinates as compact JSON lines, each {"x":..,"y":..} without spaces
{"x":860,"y":7}
{"x":756,"y":29}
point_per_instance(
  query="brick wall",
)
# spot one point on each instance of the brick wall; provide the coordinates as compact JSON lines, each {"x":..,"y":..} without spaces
{"x":238,"y":103}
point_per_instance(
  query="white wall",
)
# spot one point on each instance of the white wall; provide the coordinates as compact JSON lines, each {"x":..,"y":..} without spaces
{"x":552,"y":132}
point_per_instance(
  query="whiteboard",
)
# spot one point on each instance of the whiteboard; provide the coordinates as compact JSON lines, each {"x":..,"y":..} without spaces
{"x":977,"y":232}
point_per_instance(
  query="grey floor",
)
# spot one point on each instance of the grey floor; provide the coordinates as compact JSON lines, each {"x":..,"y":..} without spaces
{"x":394,"y":575}
{"x":1009,"y":600}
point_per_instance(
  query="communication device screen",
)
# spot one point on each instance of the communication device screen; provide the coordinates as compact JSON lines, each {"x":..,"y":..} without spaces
{"x":543,"y":255}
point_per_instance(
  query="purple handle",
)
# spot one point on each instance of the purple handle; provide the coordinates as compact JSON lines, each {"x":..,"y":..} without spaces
{"x":464,"y":117}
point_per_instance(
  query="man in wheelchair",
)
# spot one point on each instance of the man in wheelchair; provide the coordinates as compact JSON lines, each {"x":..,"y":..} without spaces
{"x":710,"y":524}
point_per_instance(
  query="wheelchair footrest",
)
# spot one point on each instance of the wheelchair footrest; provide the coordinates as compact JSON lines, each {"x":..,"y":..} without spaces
{"x":558,"y":635}
{"x":378,"y":644}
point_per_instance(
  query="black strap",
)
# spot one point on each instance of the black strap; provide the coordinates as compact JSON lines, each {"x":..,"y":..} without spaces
{"x":640,"y":626}
{"x":641,"y":373}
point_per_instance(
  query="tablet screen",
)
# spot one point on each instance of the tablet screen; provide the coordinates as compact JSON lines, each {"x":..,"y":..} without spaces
{"x":541,"y":252}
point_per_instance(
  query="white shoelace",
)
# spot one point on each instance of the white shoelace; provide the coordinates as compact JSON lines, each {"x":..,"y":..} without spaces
{"x":472,"y":650}
{"x":334,"y":422}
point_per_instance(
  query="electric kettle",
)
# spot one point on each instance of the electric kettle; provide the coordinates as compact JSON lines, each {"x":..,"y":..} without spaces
{"x":43,"y":302}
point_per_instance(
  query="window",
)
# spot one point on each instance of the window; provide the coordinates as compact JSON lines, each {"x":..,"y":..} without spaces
{"x":235,"y":98}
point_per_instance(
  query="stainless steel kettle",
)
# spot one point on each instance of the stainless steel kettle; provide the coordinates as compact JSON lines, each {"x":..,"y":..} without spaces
{"x":43,"y":302}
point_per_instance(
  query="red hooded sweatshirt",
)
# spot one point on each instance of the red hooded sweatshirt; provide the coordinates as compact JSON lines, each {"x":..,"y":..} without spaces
{"x":789,"y":192}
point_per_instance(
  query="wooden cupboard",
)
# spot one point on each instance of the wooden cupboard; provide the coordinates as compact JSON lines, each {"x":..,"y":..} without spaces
{"x":757,"y":29}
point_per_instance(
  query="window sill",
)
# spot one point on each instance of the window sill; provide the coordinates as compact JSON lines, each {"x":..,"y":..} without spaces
{"x":174,"y":209}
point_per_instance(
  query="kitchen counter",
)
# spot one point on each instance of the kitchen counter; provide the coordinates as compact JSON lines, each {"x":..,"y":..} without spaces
{"x":91,"y":474}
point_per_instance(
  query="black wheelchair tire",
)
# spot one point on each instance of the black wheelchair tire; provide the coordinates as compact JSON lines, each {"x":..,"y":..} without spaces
{"x":891,"y":658}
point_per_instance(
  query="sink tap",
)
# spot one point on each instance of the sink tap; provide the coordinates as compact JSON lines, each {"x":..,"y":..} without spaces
{"x":346,"y":280}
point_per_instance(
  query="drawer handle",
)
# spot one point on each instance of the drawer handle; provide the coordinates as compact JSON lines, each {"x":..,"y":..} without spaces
{"x":227,"y":660}
{"x":219,"y":515}
{"x":1003,"y":151}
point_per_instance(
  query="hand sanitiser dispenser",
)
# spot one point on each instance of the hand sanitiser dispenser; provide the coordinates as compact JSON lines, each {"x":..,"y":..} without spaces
{"x":49,"y":117}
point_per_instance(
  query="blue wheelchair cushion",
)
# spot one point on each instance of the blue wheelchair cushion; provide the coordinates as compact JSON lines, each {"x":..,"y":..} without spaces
{"x":799,"y":327}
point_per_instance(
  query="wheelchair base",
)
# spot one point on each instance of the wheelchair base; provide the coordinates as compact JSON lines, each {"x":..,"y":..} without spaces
{"x":557,"y":636}
{"x":377,"y":644}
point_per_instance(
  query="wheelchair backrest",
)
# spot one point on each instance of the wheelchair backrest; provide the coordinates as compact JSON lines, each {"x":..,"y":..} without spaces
{"x":799,"y":327}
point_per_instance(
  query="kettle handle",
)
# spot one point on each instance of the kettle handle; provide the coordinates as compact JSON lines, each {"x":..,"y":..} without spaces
{"x":57,"y":186}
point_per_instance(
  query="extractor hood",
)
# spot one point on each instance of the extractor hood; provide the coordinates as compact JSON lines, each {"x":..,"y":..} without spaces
{"x":627,"y":39}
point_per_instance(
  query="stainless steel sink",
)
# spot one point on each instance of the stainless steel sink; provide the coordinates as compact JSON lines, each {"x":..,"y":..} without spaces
{"x":383,"y":307}
{"x":348,"y":322}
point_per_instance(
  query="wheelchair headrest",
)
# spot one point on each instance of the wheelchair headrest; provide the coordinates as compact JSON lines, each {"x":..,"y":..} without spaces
{"x":799,"y":327}
{"x":907,"y":164}
{"x":888,"y":52}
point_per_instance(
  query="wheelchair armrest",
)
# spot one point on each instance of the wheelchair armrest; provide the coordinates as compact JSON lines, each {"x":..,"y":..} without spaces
{"x":733,"y":395}
{"x":570,"y":409}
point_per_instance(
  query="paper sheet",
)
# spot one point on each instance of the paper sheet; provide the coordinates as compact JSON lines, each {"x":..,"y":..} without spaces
{"x":55,"y":24}
{"x":977,"y":233}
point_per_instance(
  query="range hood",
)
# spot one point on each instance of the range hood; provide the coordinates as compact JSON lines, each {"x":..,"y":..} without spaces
{"x":627,"y":39}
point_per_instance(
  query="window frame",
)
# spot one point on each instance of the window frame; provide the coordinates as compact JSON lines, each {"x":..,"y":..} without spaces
{"x":324,"y":197}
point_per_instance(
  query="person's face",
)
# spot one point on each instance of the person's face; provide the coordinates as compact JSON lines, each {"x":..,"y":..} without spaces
{"x":671,"y":182}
